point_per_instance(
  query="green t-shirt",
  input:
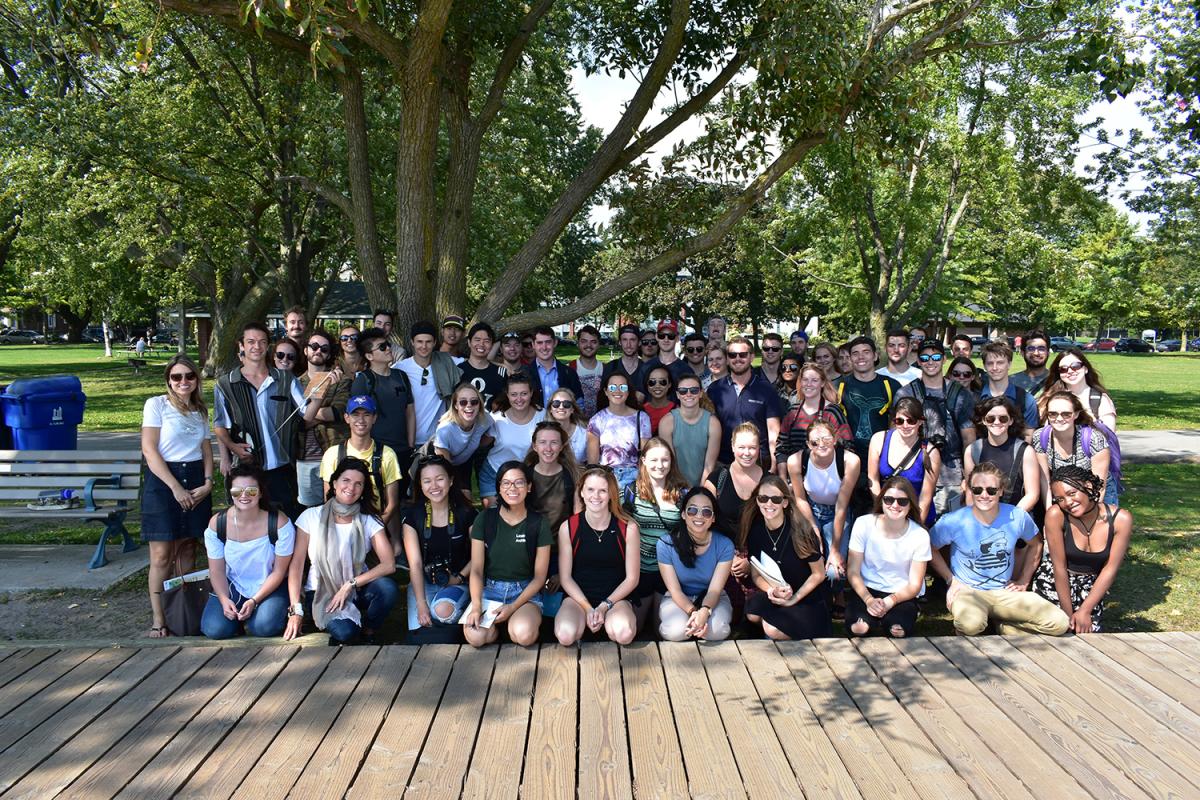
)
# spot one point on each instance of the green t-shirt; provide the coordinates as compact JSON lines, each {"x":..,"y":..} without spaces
{"x":508,"y":558}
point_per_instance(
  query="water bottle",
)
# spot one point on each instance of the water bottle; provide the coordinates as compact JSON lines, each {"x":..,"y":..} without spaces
{"x":67,"y":495}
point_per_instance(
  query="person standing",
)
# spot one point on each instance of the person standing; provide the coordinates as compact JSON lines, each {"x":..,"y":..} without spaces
{"x":385,"y":469}
{"x":649,"y":346}
{"x":392,"y":396}
{"x":692,"y":431}
{"x":825,"y":356}
{"x":1036,"y":350}
{"x":563,"y":408}
{"x":866,"y":395}
{"x":694,"y":348}
{"x":551,"y":373}
{"x":177,"y":478}
{"x":718,"y":364}
{"x":351,"y":360}
{"x":816,"y":400}
{"x":256,"y":417}
{"x":746,"y":396}
{"x":510,"y":354}
{"x":897,"y":366}
{"x":140,"y":346}
{"x":486,"y":377}
{"x":453,"y":328}
{"x":588,"y":370}
{"x":916,"y":337}
{"x":715,"y":329}
{"x":432,"y":376}
{"x":629,"y":365}
{"x":330,"y":429}
{"x":772,"y":353}
{"x":997,"y":361}
{"x":295,"y":323}
{"x":961,"y":346}
{"x":799,"y":342}
{"x":668,"y":334}
{"x":383,"y":320}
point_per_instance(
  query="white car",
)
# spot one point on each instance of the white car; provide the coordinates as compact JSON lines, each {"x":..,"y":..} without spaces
{"x":22,"y":337}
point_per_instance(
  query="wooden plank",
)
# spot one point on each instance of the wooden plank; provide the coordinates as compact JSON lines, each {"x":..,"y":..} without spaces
{"x":812,"y":756}
{"x":73,"y":717}
{"x":968,"y":754}
{"x":442,"y":766}
{"x":103,"y":512}
{"x":916,"y":756}
{"x":395,"y":750}
{"x":5,"y":652}
{"x":765,"y":770}
{"x":33,"y":492}
{"x":180,"y":758}
{"x":1044,"y":777}
{"x":284,"y":761}
{"x":38,"y":482}
{"x":869,"y":763}
{"x":1154,"y":719}
{"x":708,"y":757}
{"x":604,"y":769}
{"x":89,"y":745}
{"x":656,"y":759}
{"x":1184,"y":666}
{"x":23,"y":661}
{"x":35,"y":680}
{"x":63,"y":692}
{"x":550,"y":753}
{"x":1181,"y":642}
{"x":227,"y":766}
{"x":336,"y":761}
{"x":1173,"y":685}
{"x":1119,"y":748}
{"x":495,"y":769}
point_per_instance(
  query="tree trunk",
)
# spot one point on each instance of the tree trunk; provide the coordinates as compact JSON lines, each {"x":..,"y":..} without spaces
{"x":228,"y":319}
{"x":76,"y":323}
{"x":454,"y":234}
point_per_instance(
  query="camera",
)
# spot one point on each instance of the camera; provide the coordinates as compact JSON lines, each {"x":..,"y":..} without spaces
{"x":938,"y":441}
{"x":438,"y":572}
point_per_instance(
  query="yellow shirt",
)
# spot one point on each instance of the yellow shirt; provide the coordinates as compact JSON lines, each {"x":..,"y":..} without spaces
{"x":388,"y":463}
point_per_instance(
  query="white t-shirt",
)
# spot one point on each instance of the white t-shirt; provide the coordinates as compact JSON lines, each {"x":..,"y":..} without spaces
{"x":310,"y":522}
{"x":886,"y":562}
{"x":513,"y":441}
{"x":247,"y":564}
{"x":578,"y":443}
{"x":180,"y":435}
{"x":908,"y":376}
{"x":427,"y":404}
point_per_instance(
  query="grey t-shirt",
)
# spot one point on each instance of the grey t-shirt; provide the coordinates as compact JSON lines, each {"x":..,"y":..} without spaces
{"x":392,"y":396}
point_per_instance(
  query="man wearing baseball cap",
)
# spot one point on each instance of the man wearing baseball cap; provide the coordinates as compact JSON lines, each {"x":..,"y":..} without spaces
{"x":799,"y":343}
{"x":668,"y":336}
{"x":629,"y":338}
{"x":385,"y":467}
{"x":454,"y":328}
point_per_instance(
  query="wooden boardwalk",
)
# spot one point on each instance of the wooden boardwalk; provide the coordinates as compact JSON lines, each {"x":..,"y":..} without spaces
{"x":1114,"y":715}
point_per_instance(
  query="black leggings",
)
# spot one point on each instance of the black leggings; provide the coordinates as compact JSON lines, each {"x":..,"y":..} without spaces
{"x":903,"y":614}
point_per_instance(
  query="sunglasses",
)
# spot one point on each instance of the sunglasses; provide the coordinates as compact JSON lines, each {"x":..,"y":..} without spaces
{"x":324,"y":348}
{"x":694,"y":349}
{"x":467,"y":402}
{"x":616,"y":387}
{"x":997,"y":420}
{"x":383,"y":347}
{"x":822,"y":441}
{"x":906,"y":421}
{"x":739,"y":355}
{"x":927,"y":357}
{"x":992,"y":491}
{"x":245,"y":491}
{"x":1065,"y":368}
{"x":704,"y":512}
{"x":1060,"y":414}
{"x":774,"y":499}
{"x":351,"y":337}
{"x":424,"y":376}
{"x":285,"y":356}
{"x":666,"y":336}
{"x":561,"y":404}
{"x":772,"y":349}
{"x":179,"y":377}
{"x":957,"y":373}
{"x":658,"y":382}
{"x":892,"y":500}
{"x":648,"y":343}
{"x":684,"y":391}
{"x":789,"y":368}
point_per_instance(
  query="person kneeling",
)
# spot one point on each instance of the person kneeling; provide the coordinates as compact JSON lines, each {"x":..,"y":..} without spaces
{"x":982,"y":538}
{"x":510,"y":556}
{"x":889,"y":551}
{"x":599,"y":564}
{"x":694,"y":561}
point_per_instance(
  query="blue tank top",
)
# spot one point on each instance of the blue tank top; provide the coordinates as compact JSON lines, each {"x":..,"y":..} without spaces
{"x":915,"y":472}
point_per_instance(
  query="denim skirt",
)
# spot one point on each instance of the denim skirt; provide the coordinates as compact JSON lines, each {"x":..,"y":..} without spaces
{"x":163,"y":519}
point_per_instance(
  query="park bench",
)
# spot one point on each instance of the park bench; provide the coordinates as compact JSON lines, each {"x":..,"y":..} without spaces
{"x":106,"y":482}
{"x":138,"y":365}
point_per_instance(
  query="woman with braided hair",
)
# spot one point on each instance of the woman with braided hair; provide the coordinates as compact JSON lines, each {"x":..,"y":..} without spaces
{"x":1086,"y":542}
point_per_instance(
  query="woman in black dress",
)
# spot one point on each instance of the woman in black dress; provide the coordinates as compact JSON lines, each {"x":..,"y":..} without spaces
{"x":795,"y":607}
{"x":599,"y":564}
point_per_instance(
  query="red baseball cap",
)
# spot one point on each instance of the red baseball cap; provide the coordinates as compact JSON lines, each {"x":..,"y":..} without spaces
{"x":668,"y":325}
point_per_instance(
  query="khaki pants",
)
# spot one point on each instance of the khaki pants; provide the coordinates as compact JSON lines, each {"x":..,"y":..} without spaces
{"x":1014,"y":612}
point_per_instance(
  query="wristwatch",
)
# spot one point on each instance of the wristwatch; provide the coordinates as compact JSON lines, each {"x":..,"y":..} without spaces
{"x":297,"y":610}
{"x":353,"y":582}
{"x":608,"y":603}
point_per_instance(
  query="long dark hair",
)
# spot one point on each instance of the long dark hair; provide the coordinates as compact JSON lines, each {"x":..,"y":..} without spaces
{"x":631,"y":400}
{"x":680,"y":538}
{"x":963,"y":361}
{"x":1055,"y":383}
{"x":1016,"y":425}
{"x":804,"y":538}
{"x":259,"y":478}
{"x":501,"y":400}
{"x":367,"y":504}
{"x":903,"y":484}
{"x":526,"y":473}
{"x":195,"y":401}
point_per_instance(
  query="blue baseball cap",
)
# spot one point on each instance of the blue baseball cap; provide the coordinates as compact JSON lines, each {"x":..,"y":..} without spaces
{"x":361,"y":401}
{"x":802,"y":334}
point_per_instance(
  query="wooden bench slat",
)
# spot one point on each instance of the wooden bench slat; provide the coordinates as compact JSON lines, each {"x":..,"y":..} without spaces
{"x":91,"y":469}
{"x":79,"y":482}
{"x":71,"y":456}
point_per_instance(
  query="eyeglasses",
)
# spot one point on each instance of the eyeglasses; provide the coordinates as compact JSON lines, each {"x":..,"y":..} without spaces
{"x":958,"y":373}
{"x":561,"y":404}
{"x":383,"y":347}
{"x":686,"y":390}
{"x":467,"y":402}
{"x":348,"y":337}
{"x":1063,"y":369}
{"x":616,"y":387}
{"x":648,"y":343}
{"x":992,"y":491}
{"x":739,"y":354}
{"x":666,"y":335}
{"x":893,"y":500}
{"x":916,"y":337}
{"x":925,"y":358}
{"x":1060,"y":415}
{"x":324,"y":348}
{"x":519,"y":483}
{"x":997,"y":420}
{"x":658,"y":382}
{"x":694,"y":350}
{"x":285,"y":356}
{"x":424,"y":376}
{"x":245,"y":491}
{"x":906,"y":421}
{"x":179,"y":377}
{"x":1036,"y":348}
{"x":772,"y":349}
{"x":773,"y":499}
{"x":790,"y":368}
{"x":704,"y":512}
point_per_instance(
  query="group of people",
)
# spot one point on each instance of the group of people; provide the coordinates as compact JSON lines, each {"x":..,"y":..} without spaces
{"x":677,"y":487}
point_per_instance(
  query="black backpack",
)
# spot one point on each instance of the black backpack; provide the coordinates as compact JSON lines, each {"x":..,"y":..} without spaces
{"x":272,"y":526}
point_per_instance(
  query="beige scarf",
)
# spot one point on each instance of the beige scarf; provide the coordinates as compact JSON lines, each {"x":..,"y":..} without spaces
{"x":336,"y":560}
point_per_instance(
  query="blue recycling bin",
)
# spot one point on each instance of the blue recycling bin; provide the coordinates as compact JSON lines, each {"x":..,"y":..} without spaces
{"x":44,"y":413}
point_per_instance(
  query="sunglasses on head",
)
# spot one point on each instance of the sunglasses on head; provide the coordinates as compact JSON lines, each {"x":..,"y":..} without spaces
{"x":925,"y":358}
{"x":686,"y":390}
{"x":324,"y":348}
{"x":893,"y":500}
{"x":179,"y":377}
{"x":774,"y":499}
{"x":561,"y":404}
{"x":992,"y":491}
{"x":704,"y":512}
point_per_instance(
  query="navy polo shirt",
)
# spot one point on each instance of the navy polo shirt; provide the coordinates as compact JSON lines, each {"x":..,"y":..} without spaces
{"x":756,"y":403}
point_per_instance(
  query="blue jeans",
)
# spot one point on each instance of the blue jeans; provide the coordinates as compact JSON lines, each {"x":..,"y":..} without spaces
{"x":375,"y":601}
{"x":823,"y":516}
{"x":268,"y":619}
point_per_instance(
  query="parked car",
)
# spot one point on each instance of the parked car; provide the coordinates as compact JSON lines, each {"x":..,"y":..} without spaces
{"x":1061,"y":343}
{"x":1194,"y":344}
{"x":977,"y":343}
{"x":1132,"y":346}
{"x":22,"y":337}
{"x":1168,"y":345}
{"x":1100,"y":346}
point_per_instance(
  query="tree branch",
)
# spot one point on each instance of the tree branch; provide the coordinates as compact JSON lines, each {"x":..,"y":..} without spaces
{"x":945,"y":256}
{"x":322,"y":190}
{"x":228,"y":14}
{"x":800,"y":263}
{"x":508,"y":63}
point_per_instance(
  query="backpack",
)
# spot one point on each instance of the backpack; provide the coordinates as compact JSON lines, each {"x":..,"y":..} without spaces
{"x":272,"y":526}
{"x":839,"y":460}
{"x":491,"y":525}
{"x":376,"y":467}
{"x":573,"y":528}
{"x":1085,"y":437}
{"x":950,"y":396}
{"x":887,"y":388}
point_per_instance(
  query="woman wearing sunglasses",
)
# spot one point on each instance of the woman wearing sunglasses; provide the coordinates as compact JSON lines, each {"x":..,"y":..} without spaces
{"x":564,"y":409}
{"x":903,"y":450}
{"x":963,"y":372}
{"x":791,"y":604}
{"x":1086,"y":540}
{"x":598,"y":564}
{"x":660,"y":386}
{"x":616,"y":432}
{"x":513,"y":422}
{"x":694,"y":561}
{"x":823,"y":477}
{"x":1069,"y":438}
{"x":461,"y":431}
{"x":286,"y":355}
{"x":351,"y":360}
{"x":177,"y":478}
{"x":1000,"y":440}
{"x":818,"y":400}
{"x":1072,"y":372}
{"x":692,"y":431}
{"x":345,"y":598}
{"x":889,"y":553}
{"x":249,"y":548}
{"x":785,"y":384}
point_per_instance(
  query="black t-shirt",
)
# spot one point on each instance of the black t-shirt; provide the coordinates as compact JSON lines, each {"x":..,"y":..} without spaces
{"x":453,"y":543}
{"x":393,"y":395}
{"x":489,"y":380}
{"x":867,"y":404}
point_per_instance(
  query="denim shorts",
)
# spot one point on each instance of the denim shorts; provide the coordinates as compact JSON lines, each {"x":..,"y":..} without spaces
{"x":458,"y":595}
{"x":487,"y":479}
{"x":507,"y":591}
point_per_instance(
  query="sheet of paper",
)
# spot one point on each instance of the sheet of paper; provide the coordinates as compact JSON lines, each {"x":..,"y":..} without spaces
{"x":490,"y":609}
{"x":768,"y":568}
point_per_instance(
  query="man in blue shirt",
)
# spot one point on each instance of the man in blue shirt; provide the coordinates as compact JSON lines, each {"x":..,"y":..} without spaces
{"x":982,"y":539}
{"x":997,"y":361}
{"x":745,"y":396}
{"x":551,"y":373}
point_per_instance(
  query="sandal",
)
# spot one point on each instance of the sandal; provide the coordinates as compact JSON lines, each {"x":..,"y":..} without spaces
{"x":158,"y":632}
